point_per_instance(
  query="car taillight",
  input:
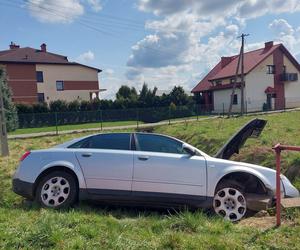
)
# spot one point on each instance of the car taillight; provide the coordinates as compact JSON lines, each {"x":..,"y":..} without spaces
{"x":23,"y":157}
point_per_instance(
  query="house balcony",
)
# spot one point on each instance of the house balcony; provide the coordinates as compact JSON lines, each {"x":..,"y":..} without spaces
{"x":289,"y":77}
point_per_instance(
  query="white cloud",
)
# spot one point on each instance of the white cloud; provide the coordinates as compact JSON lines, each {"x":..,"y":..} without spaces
{"x":168,"y":7}
{"x":281,"y":27}
{"x":209,"y":8}
{"x":184,"y":42}
{"x":55,"y":11}
{"x":95,"y":4}
{"x":60,"y":11}
{"x":286,"y":34}
{"x":86,"y":57}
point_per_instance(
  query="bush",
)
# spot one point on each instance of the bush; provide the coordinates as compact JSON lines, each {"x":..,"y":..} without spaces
{"x":58,"y":106}
{"x":24,"y":108}
{"x":40,"y":108}
{"x":74,"y":106}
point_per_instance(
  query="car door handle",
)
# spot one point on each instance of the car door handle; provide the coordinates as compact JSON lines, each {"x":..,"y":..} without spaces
{"x":143,"y":158}
{"x":86,"y":154}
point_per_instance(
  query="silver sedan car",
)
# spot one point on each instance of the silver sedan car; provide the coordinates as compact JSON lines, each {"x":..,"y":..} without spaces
{"x":153,"y":169}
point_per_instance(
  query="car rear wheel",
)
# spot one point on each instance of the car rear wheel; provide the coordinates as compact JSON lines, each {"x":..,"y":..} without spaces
{"x":230,"y":202}
{"x":56,"y":190}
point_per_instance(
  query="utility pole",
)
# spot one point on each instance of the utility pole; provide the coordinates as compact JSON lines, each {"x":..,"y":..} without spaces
{"x":3,"y":130}
{"x":242,"y":75}
{"x":240,"y":63}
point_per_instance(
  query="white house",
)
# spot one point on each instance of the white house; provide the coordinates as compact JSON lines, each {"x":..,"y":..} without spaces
{"x":271,"y":80}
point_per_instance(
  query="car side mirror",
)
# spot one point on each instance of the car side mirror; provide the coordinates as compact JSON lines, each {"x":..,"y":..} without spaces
{"x":188,"y":149}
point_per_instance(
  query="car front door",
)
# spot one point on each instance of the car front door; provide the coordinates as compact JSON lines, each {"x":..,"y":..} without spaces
{"x":107,"y":163}
{"x":163,"y":169}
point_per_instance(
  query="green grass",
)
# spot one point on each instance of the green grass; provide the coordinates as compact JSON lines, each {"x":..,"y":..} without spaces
{"x":89,"y":226}
{"x":72,"y":127}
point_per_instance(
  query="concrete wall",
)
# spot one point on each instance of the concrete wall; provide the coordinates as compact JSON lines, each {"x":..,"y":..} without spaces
{"x":291,"y":89}
{"x":256,"y":83}
{"x":79,"y":82}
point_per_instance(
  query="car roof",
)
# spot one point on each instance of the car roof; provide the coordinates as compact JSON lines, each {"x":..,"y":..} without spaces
{"x":68,"y":143}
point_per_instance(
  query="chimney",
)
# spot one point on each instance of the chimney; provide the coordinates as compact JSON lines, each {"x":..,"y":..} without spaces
{"x":43,"y":47}
{"x":225,"y":60}
{"x":269,"y":44}
{"x":14,"y":46}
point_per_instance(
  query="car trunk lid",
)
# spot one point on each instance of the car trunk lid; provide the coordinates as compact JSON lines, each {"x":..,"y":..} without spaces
{"x":252,"y":129}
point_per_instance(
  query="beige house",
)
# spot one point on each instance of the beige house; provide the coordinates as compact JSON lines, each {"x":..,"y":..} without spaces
{"x":271,"y":81}
{"x":36,"y":75}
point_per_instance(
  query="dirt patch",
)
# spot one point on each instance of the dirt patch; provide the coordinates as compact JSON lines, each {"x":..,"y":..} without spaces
{"x":263,"y":223}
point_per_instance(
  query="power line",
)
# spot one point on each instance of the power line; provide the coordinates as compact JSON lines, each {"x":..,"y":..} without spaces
{"x":87,"y":25}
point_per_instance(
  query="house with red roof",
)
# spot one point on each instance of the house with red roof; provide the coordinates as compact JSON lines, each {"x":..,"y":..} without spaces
{"x":271,"y":81}
{"x":36,"y":75}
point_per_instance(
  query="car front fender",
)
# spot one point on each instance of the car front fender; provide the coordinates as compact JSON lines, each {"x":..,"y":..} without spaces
{"x":218,"y":174}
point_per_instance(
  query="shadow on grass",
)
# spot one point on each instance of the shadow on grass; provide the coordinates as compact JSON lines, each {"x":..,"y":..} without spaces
{"x":119,"y":211}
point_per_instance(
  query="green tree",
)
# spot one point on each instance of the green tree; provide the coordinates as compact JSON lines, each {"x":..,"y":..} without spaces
{"x":126,"y":92}
{"x":10,"y":108}
{"x":178,"y":96}
{"x":147,"y":97}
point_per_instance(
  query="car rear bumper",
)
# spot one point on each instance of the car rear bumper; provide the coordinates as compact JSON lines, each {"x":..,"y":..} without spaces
{"x":23,"y":188}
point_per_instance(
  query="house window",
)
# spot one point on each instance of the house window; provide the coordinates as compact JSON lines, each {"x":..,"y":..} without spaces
{"x":59,"y":85}
{"x":270,"y":69}
{"x":39,"y":76}
{"x":232,"y":80}
{"x":41,"y":97}
{"x":235,"y":99}
{"x":218,"y":82}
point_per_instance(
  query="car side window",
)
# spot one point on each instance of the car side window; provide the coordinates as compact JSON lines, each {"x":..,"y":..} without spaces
{"x":116,"y":141}
{"x":158,"y":143}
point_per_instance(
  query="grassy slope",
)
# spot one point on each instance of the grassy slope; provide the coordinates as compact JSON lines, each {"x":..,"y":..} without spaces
{"x":88,"y":226}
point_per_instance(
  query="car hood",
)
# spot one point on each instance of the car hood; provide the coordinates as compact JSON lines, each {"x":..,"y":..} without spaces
{"x":252,"y":129}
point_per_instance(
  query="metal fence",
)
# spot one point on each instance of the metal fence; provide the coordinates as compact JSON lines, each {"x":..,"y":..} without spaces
{"x":145,"y":115}
{"x":142,"y":115}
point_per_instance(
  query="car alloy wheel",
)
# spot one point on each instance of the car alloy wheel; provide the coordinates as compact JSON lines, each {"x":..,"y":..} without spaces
{"x":55,"y":191}
{"x":230,"y":203}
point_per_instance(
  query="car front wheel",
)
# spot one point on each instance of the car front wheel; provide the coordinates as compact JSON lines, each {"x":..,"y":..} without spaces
{"x":230,"y":202}
{"x":56,"y":190}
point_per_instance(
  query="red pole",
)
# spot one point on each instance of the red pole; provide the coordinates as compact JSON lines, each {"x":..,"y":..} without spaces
{"x":278,"y":193}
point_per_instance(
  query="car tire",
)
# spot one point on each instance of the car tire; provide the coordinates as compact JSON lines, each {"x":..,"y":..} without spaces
{"x":57,"y":190}
{"x":229,"y":201}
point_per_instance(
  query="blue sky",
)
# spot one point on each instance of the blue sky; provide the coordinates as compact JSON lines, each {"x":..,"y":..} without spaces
{"x":162,"y":43}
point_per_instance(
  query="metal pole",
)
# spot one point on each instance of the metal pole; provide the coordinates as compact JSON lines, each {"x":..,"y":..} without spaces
{"x":223,"y":109}
{"x":56,"y":127}
{"x":3,"y":129}
{"x":137,"y":118}
{"x":101,"y":120}
{"x":278,"y":193}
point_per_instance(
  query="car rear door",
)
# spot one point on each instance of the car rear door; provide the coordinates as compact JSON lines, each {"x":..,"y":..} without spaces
{"x":163,"y":170}
{"x":107,"y":163}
